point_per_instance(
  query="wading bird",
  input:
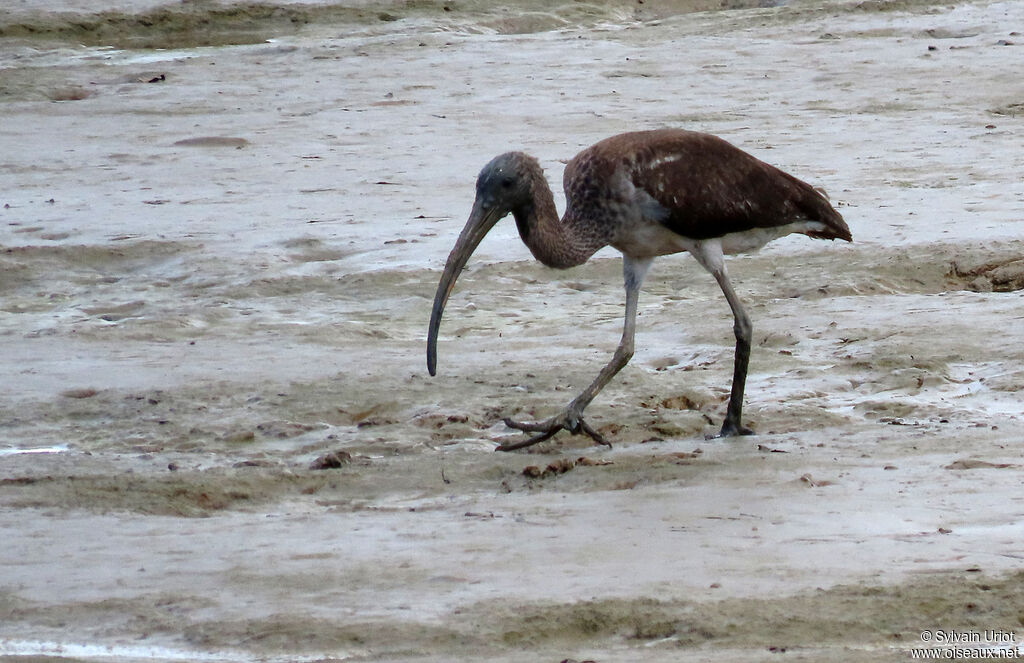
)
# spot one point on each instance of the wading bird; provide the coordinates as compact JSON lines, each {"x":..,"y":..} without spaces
{"x":646,"y":193}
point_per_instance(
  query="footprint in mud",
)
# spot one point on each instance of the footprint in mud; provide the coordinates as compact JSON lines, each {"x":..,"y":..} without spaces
{"x":974,"y":464}
{"x":283,"y":430}
{"x":41,"y":233}
{"x":311,"y":249}
{"x":115,"y":312}
{"x":212,"y":141}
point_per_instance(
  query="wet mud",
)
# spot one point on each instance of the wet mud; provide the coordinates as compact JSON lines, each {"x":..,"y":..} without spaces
{"x":194,"y":24}
{"x":218,"y":438}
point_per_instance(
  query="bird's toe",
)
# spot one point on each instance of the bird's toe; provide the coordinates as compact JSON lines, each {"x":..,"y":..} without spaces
{"x":730,"y":429}
{"x":545,"y":430}
{"x":528,"y":426}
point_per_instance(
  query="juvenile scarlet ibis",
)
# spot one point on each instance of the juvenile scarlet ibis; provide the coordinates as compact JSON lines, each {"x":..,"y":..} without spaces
{"x":648,"y":194}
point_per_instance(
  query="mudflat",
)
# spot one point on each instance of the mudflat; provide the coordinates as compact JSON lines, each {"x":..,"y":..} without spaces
{"x":221,"y":228}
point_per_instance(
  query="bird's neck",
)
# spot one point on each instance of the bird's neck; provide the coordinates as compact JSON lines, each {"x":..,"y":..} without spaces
{"x":559,"y":243}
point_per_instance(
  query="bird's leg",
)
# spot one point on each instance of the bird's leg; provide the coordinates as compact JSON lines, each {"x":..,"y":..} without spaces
{"x":733,"y":424}
{"x":571,"y":419}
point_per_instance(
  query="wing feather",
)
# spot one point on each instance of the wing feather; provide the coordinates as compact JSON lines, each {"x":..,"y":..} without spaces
{"x":707,"y":187}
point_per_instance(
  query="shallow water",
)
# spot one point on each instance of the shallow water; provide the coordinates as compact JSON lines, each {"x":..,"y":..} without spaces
{"x":124,"y":652}
{"x":34,"y":450}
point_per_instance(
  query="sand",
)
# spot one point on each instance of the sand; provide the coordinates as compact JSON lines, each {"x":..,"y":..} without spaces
{"x":219,"y":241}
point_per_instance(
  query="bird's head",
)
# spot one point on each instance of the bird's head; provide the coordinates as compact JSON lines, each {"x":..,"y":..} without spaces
{"x":503,"y":186}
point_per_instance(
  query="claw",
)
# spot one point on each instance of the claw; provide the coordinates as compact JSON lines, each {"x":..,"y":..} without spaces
{"x":594,"y":435}
{"x":548,"y":429}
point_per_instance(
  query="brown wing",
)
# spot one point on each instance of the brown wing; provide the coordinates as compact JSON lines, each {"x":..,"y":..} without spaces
{"x":706,"y":187}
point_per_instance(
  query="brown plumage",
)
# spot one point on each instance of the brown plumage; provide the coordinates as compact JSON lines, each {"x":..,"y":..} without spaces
{"x":646,"y":193}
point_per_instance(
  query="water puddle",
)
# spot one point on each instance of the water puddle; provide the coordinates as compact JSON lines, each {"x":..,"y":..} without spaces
{"x":119,"y":652}
{"x":60,"y":448}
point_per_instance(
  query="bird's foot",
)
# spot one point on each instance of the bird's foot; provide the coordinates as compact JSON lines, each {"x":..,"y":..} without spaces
{"x":547,"y":429}
{"x":732,"y":429}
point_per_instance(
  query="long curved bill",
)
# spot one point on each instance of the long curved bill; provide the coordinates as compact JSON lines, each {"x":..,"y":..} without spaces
{"x":480,"y":221}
